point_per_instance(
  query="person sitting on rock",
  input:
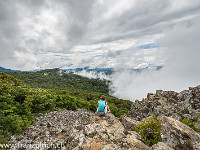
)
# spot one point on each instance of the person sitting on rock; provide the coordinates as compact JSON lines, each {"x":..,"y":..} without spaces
{"x":102,"y":107}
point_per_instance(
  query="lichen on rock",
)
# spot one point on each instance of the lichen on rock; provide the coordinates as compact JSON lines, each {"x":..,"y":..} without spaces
{"x":178,"y":135}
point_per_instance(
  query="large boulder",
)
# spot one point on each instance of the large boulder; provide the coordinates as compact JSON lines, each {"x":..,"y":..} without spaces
{"x":178,"y":135}
{"x":109,"y":133}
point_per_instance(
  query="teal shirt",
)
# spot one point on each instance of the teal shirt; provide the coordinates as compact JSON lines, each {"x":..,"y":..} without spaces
{"x":102,"y":105}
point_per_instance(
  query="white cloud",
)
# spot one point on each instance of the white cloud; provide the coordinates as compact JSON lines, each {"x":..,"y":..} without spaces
{"x":34,"y":32}
{"x":93,"y":75}
{"x":89,"y":26}
{"x":181,"y":70}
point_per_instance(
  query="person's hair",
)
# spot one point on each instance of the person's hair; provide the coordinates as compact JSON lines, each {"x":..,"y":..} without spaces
{"x":103,"y":97}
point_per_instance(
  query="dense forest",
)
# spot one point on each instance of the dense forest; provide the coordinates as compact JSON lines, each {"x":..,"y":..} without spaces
{"x":23,"y":95}
{"x":61,"y":80}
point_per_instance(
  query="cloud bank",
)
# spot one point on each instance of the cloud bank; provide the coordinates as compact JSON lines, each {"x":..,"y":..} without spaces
{"x":123,"y":34}
{"x":181,"y":69}
{"x":34,"y":32}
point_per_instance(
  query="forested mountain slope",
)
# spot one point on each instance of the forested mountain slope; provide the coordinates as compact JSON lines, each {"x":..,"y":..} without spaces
{"x":61,"y":82}
{"x":59,"y":79}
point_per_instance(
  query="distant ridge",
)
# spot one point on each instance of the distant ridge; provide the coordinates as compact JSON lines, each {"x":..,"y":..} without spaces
{"x":109,"y":71}
{"x":106,"y":71}
{"x":8,"y":70}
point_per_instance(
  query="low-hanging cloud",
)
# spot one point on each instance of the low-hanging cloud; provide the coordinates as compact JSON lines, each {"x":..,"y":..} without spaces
{"x":82,"y":28}
{"x":181,"y":52}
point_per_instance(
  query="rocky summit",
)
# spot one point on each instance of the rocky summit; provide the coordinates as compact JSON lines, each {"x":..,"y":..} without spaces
{"x":80,"y":129}
{"x":84,"y":130}
{"x":169,"y":103}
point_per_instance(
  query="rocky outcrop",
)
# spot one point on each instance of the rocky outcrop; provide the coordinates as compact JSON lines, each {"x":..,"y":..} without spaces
{"x":178,"y":135}
{"x":174,"y":107}
{"x":169,"y":103}
{"x":81,"y":129}
{"x":109,"y":133}
{"x":54,"y":129}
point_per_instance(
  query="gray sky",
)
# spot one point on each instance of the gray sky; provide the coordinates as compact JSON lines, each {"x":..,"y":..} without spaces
{"x":39,"y":34}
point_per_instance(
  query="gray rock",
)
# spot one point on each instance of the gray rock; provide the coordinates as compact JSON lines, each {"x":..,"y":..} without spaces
{"x":161,"y":146}
{"x":178,"y":135}
{"x":169,"y":103}
{"x":55,"y":128}
{"x":128,"y":122}
{"x":80,"y":129}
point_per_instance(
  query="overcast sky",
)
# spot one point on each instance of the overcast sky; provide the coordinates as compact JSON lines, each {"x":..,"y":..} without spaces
{"x":39,"y":34}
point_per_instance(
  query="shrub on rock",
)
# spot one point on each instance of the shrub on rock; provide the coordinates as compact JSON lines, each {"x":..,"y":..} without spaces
{"x":149,"y":129}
